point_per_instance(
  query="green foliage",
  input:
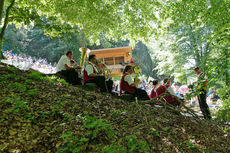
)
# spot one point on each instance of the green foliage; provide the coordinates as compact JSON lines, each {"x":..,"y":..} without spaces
{"x":116,"y":114}
{"x":73,"y":144}
{"x":32,"y":92}
{"x":35,"y":75}
{"x":225,"y":130}
{"x":165,"y":128}
{"x":11,"y":68}
{"x":54,"y":79}
{"x":223,"y":114}
{"x":143,"y":59}
{"x":114,"y":148}
{"x":152,"y":122}
{"x":154,"y":132}
{"x":95,"y":127}
{"x":62,"y":81}
{"x":181,"y":49}
{"x":17,"y":105}
{"x":17,"y":87}
{"x":51,"y":79}
{"x":183,"y":29}
{"x":32,"y":118}
{"x":41,"y":45}
{"x":190,"y":145}
{"x":28,"y":82}
{"x":8,"y":76}
{"x":135,"y":145}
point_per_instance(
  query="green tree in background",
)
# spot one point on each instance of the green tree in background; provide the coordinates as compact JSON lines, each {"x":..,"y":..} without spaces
{"x":143,"y":58}
{"x":33,"y":42}
{"x":207,"y":13}
{"x":186,"y":45}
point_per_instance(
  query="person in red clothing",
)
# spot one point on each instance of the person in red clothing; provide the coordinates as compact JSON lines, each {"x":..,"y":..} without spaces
{"x":128,"y":86}
{"x":154,"y":90}
{"x":92,"y":75}
{"x":165,"y":89}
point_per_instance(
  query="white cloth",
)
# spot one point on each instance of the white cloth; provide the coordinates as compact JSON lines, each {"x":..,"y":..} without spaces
{"x":170,"y":90}
{"x":128,"y":78}
{"x":89,"y":68}
{"x":155,"y":89}
{"x":61,"y":63}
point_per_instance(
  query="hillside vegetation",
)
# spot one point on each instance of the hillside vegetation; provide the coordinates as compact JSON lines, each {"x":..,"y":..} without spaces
{"x":44,"y":114}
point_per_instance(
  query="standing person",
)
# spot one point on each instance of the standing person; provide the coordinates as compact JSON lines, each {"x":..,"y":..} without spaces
{"x":170,"y":97}
{"x":129,"y":86}
{"x":64,"y":69}
{"x":202,"y":87}
{"x":92,"y":75}
{"x":154,"y":90}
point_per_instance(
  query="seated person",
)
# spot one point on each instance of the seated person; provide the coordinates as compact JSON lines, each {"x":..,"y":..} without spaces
{"x":72,"y":63}
{"x":64,"y":69}
{"x":154,"y":90}
{"x":129,"y":86}
{"x":165,"y":89}
{"x":91,"y":74}
{"x":102,"y":69}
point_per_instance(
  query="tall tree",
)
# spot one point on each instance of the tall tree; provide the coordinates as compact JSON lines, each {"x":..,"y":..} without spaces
{"x":212,"y":13}
{"x":20,"y":12}
{"x":6,"y":20}
{"x":128,"y":19}
{"x":180,"y":48}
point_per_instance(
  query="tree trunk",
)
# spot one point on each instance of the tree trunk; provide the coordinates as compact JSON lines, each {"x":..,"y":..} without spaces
{"x":1,"y":9}
{"x":5,"y":24}
{"x":227,"y":79}
{"x":197,"y":57}
{"x":1,"y":50}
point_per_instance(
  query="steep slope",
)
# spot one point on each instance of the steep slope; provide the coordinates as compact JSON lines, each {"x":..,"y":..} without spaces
{"x":44,"y":114}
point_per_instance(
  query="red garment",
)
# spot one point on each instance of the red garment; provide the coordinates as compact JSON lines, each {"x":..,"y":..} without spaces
{"x":124,"y":86}
{"x":85,"y":75}
{"x":153,"y":93}
{"x":170,"y":99}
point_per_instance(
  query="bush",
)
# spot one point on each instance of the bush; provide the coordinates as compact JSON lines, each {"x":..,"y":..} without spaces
{"x":223,"y":114}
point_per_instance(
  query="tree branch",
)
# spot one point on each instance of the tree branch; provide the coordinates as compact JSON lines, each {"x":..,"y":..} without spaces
{"x":6,"y":20}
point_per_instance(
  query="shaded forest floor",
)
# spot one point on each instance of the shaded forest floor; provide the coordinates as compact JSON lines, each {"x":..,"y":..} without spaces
{"x":44,"y":114}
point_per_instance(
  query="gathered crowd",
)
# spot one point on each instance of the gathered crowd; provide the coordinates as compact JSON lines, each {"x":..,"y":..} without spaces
{"x":27,"y":62}
{"x":95,"y":72}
